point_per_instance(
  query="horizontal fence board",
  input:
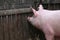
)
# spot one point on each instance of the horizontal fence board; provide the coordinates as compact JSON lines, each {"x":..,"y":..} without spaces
{"x":15,"y":11}
{"x":27,"y":10}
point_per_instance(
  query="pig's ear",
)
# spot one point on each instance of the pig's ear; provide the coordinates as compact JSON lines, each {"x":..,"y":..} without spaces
{"x":40,"y":7}
{"x":34,"y":11}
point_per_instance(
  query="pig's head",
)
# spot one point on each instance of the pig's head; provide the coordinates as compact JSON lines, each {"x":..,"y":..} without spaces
{"x":35,"y":19}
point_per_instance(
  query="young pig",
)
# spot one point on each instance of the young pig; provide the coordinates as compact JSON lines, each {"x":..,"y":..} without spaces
{"x":46,"y":20}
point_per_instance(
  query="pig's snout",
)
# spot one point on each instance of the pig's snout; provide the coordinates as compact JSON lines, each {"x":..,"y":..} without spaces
{"x":28,"y":18}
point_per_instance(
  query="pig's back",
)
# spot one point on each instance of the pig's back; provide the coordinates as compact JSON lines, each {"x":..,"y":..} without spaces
{"x":53,"y":18}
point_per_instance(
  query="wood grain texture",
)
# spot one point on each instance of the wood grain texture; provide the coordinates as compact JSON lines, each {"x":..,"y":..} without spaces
{"x":15,"y":11}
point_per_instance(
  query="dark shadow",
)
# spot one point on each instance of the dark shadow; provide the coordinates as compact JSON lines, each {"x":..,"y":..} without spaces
{"x":34,"y":32}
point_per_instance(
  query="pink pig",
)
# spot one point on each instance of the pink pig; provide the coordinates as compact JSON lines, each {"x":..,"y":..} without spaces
{"x":46,"y":20}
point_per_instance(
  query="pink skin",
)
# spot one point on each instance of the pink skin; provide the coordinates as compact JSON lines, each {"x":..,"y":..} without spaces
{"x":46,"y":20}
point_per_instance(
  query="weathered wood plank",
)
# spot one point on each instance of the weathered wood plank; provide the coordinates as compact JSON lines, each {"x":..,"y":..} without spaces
{"x":16,"y":27}
{"x":15,"y":11}
{"x":2,"y":24}
{"x":11,"y":27}
{"x":20,"y":28}
{"x":1,"y":29}
{"x":6,"y":29}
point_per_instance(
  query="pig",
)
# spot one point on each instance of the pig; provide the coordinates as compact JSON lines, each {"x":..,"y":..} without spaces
{"x":46,"y":20}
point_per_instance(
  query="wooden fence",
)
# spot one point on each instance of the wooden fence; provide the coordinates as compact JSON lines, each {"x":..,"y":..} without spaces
{"x":14,"y":24}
